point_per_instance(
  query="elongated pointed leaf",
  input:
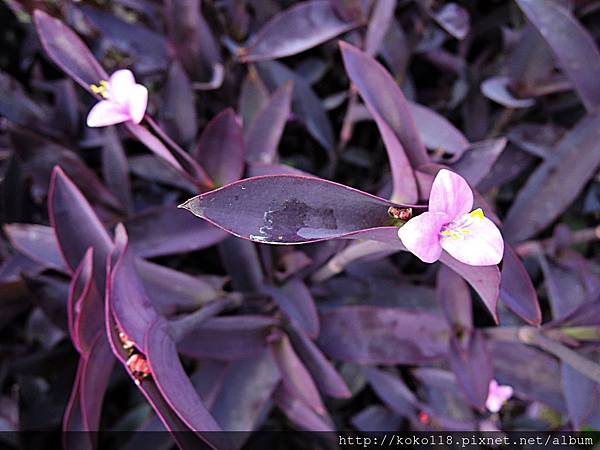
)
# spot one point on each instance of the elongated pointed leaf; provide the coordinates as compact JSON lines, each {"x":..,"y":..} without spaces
{"x":296,"y":301}
{"x":221,"y":148}
{"x":376,"y":335}
{"x":262,"y":139}
{"x":454,"y":296}
{"x":472,"y":364}
{"x":478,"y":159}
{"x":289,"y":209}
{"x":299,"y":412}
{"x":573,"y":46}
{"x":38,"y":242}
{"x":517,"y":290}
{"x":385,"y":100}
{"x":327,"y":378}
{"x":392,"y":391}
{"x":556,"y":182}
{"x":379,"y":22}
{"x":76,"y":225}
{"x":296,"y":378}
{"x":296,"y":29}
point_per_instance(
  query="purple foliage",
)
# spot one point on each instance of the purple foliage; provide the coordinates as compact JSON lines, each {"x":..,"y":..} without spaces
{"x":233,"y":256}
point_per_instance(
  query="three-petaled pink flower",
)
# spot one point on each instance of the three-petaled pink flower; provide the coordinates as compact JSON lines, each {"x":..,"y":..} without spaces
{"x":498,"y":394}
{"x":450,"y":225}
{"x":124,"y":100}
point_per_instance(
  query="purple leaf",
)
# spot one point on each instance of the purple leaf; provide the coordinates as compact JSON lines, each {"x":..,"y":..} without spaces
{"x":573,"y":46}
{"x":454,"y":19}
{"x":37,"y":242}
{"x":556,"y":182}
{"x":497,"y":89}
{"x":296,"y":379}
{"x":262,"y":139}
{"x":582,"y":396}
{"x":295,"y":30}
{"x":115,"y":168}
{"x":517,"y":290}
{"x":379,"y":23}
{"x":301,"y":413}
{"x":192,"y":38}
{"x":392,"y":391}
{"x":68,"y":51}
{"x":376,"y":418}
{"x":305,"y":103}
{"x":178,"y":113}
{"x":228,"y":338}
{"x":375,"y":335}
{"x":295,"y":301}
{"x":477,"y":160}
{"x":167,"y":230}
{"x":221,"y":148}
{"x":246,"y":391}
{"x":472,"y":364}
{"x":532,"y":373}
{"x":283,"y":209}
{"x":327,"y":378}
{"x":454,"y":296}
{"x":384,"y":99}
{"x":254,"y":96}
{"x":436,"y":131}
{"x":76,"y":225}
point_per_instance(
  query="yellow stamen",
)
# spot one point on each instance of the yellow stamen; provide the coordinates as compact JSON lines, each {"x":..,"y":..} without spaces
{"x":477,"y":213}
{"x":100,"y":90}
{"x":465,"y":231}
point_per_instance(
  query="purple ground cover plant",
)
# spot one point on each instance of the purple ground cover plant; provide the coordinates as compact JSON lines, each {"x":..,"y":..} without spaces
{"x":314,"y":215}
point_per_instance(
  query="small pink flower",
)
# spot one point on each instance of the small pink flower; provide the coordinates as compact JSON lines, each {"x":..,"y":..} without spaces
{"x":124,"y":100}
{"x":467,"y":235}
{"x":497,"y":395}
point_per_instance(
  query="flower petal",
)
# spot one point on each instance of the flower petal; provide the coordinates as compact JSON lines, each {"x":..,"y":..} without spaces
{"x":420,"y":235}
{"x":137,"y":102}
{"x":450,"y":194}
{"x":482,"y":246}
{"x":106,"y":113}
{"x":120,"y":85}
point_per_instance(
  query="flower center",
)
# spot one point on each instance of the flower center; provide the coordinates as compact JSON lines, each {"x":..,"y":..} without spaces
{"x":458,"y":229}
{"x":101,"y":90}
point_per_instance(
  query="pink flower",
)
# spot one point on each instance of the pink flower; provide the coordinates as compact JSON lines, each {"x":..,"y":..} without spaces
{"x":497,"y":395}
{"x":467,"y":235}
{"x":124,"y":100}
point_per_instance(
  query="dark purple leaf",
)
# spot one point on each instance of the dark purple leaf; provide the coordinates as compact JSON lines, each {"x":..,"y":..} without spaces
{"x":283,"y":209}
{"x":532,"y":373}
{"x":454,"y":19}
{"x":472,"y":364}
{"x":375,"y":335}
{"x":436,"y":131}
{"x":178,"y":113}
{"x":244,"y":398}
{"x":478,"y":159}
{"x":295,"y":301}
{"x":115,"y":168}
{"x":376,"y":418}
{"x":305,"y":103}
{"x":497,"y":89}
{"x":192,"y":38}
{"x":453,"y":294}
{"x":254,"y":96}
{"x":384,"y":99}
{"x":392,"y":391}
{"x":573,"y":46}
{"x":296,"y":379}
{"x":327,"y":378}
{"x":76,"y":226}
{"x":37,"y":242}
{"x":167,"y":230}
{"x":228,"y":338}
{"x":68,"y":51}
{"x":517,"y":290}
{"x":295,"y":30}
{"x":221,"y":148}
{"x":582,"y":396}
{"x":556,"y":182}
{"x":262,"y":139}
